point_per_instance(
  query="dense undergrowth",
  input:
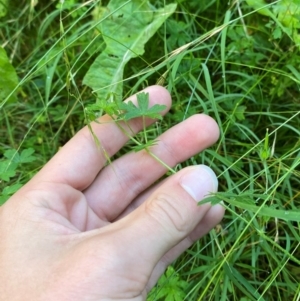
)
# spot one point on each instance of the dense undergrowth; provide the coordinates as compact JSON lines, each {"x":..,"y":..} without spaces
{"x":229,"y":60}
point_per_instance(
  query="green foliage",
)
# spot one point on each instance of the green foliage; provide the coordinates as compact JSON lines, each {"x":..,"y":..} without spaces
{"x":246,"y":201}
{"x":242,"y":283}
{"x":288,"y":12}
{"x":130,"y":110}
{"x":110,"y":106}
{"x":8,"y":166}
{"x":177,"y":33}
{"x":285,"y":15}
{"x":126,"y":27}
{"x":228,"y":61}
{"x":24,"y":157}
{"x":72,"y":6}
{"x":8,"y":191}
{"x":261,"y":6}
{"x":169,"y":287}
{"x":3,"y":8}
{"x":125,"y":110}
{"x":7,"y":170}
{"x":8,"y":78}
{"x":265,"y":151}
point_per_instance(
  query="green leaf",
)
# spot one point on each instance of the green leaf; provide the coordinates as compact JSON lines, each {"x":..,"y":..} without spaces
{"x":265,"y":151}
{"x":170,"y":287}
{"x":142,"y":110}
{"x":7,"y":170}
{"x":246,"y":201}
{"x":3,"y":199}
{"x":239,"y":112}
{"x":288,"y":13}
{"x":284,"y":13}
{"x":260,"y":5}
{"x":241,"y":282}
{"x":3,"y":8}
{"x":12,"y":155}
{"x":26,"y":156}
{"x":8,"y":77}
{"x":277,"y":33}
{"x":126,"y":27}
{"x":9,"y":190}
{"x":109,"y":106}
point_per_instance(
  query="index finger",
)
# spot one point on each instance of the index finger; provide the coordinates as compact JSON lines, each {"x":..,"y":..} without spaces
{"x":80,"y":160}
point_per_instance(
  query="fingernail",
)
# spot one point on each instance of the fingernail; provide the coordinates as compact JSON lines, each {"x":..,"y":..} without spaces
{"x":199,"y":181}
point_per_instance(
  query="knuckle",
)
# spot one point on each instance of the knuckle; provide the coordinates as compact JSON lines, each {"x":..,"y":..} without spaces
{"x":168,"y":212}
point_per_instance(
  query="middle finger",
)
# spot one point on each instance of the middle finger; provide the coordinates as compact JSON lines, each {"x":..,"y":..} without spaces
{"x":122,"y":181}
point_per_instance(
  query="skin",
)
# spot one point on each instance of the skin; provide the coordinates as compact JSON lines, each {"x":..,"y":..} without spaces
{"x":85,"y":230}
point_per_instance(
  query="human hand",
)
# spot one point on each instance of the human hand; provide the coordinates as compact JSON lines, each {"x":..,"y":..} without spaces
{"x":80,"y":230}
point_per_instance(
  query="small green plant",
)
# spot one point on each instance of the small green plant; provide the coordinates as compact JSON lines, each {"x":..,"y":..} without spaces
{"x":9,"y":165}
{"x":235,"y":61}
{"x":125,"y":111}
{"x":170,"y":287}
{"x":131,"y":111}
{"x":284,"y":17}
{"x":73,"y":7}
{"x":8,"y":191}
{"x":9,"y":168}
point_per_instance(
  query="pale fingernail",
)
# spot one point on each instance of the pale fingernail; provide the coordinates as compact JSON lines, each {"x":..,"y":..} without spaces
{"x":199,"y":182}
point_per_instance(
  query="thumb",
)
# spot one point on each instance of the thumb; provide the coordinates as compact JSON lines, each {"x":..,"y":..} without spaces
{"x":168,"y":216}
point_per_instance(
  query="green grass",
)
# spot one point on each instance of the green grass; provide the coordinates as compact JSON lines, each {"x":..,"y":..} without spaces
{"x":241,"y":67}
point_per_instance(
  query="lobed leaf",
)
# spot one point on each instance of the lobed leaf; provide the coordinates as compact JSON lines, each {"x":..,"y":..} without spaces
{"x":8,"y":77}
{"x":126,"y":27}
{"x":142,"y":109}
{"x":24,"y":157}
{"x":7,"y":170}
